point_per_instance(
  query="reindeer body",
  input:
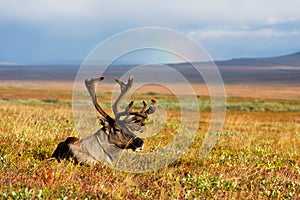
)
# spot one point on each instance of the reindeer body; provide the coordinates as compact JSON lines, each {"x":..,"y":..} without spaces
{"x":115,"y":134}
{"x":96,"y":147}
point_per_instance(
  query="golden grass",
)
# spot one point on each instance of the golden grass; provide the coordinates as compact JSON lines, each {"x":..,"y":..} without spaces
{"x":257,"y":157}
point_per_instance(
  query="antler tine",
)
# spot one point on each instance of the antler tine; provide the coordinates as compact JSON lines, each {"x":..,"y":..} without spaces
{"x":144,"y":106}
{"x":143,"y":112}
{"x":152,"y":107}
{"x":140,"y":117}
{"x":124,"y":89}
{"x":91,"y":87}
{"x":125,"y":113}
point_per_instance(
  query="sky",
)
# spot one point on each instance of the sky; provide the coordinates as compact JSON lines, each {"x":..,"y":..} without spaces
{"x":65,"y":31}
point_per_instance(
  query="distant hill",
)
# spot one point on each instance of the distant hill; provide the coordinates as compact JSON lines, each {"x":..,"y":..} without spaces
{"x":38,"y":72}
{"x":280,"y":69}
{"x":8,"y":63}
{"x":285,"y":60}
{"x":274,"y":69}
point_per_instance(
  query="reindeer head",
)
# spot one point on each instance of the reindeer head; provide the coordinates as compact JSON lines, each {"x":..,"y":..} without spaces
{"x":120,"y":130}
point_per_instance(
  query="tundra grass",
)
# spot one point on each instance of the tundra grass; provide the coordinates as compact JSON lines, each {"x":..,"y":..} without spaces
{"x":257,"y":156}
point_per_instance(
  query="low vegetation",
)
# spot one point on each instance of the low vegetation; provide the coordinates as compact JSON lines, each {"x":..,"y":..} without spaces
{"x":257,"y":156}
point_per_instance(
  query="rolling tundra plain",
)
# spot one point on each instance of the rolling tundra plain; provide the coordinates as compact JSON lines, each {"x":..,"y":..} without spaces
{"x":257,"y":154}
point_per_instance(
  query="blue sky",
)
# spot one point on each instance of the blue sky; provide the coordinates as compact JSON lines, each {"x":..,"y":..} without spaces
{"x":44,"y":31}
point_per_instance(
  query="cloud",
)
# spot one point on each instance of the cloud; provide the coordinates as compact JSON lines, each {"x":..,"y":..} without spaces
{"x":266,"y":32}
{"x":278,"y":20}
{"x":70,"y":28}
{"x":205,"y":19}
{"x":44,"y":11}
{"x":154,"y":12}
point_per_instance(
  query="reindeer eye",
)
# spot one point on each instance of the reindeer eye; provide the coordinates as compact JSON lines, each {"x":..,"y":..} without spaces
{"x":117,"y":129}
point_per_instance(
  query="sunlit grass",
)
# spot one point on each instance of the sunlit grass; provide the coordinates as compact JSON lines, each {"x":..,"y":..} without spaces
{"x":257,"y":156}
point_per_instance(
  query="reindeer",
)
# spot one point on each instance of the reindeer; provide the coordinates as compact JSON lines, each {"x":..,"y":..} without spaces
{"x":114,"y":136}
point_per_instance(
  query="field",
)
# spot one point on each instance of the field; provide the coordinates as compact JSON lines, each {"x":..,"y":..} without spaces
{"x":257,"y":155}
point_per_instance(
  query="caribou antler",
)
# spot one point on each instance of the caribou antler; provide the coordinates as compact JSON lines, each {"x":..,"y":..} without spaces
{"x":140,"y":117}
{"x":124,"y":89}
{"x":90,"y":85}
{"x":133,"y":120}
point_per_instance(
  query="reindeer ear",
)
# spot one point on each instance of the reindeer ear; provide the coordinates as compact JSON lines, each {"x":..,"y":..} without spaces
{"x":105,"y":124}
{"x":102,"y":122}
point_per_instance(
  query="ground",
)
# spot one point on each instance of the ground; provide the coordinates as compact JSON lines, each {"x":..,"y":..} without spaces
{"x":257,"y":155}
